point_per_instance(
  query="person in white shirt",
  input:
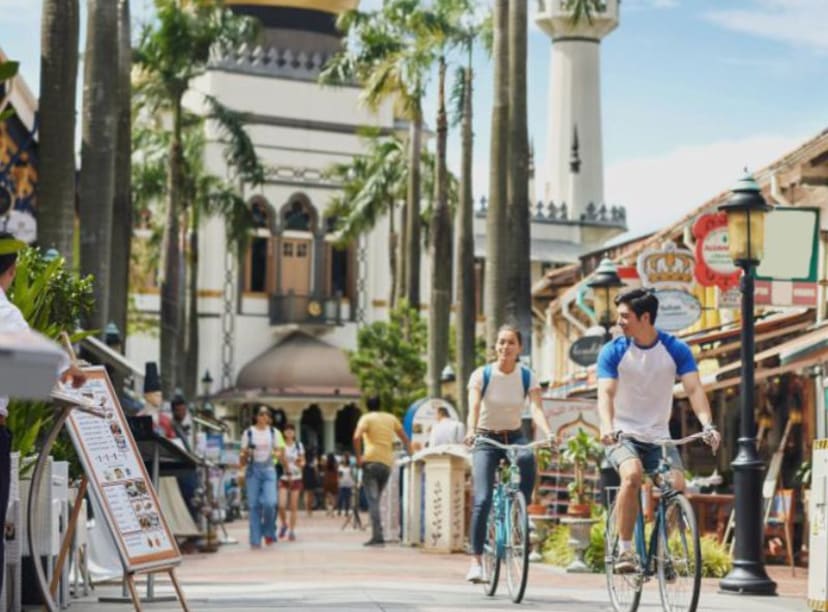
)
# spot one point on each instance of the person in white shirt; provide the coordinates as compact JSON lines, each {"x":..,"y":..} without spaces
{"x":12,"y":321}
{"x":446,"y":430}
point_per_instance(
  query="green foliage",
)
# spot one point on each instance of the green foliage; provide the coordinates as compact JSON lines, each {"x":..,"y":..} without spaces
{"x":803,"y":474}
{"x":580,"y":451}
{"x":716,"y":559}
{"x":8,"y":70}
{"x":51,"y":300}
{"x":388,"y":361}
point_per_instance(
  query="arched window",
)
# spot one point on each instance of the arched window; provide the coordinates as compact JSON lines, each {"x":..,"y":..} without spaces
{"x":258,"y":268}
{"x":299,"y":215}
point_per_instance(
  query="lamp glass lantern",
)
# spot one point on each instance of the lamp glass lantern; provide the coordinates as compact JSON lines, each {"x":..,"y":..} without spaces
{"x":746,"y":210}
{"x":206,"y":383}
{"x":605,"y":286}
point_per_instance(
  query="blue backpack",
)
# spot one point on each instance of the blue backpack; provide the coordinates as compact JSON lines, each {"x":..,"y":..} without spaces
{"x":525,"y":377}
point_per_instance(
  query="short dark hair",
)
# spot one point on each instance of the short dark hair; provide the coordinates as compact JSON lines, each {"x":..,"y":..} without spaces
{"x":9,"y":259}
{"x":290,"y":426}
{"x":640,"y":300}
{"x":443,"y":411}
{"x":372,"y":403}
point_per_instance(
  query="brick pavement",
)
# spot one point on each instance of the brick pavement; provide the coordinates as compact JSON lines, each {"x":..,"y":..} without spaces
{"x":327,"y":568}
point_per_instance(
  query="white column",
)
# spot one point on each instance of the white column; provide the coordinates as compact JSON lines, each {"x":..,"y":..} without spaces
{"x":328,"y":431}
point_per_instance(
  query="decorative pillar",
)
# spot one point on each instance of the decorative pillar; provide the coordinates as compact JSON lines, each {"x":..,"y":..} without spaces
{"x":328,"y":430}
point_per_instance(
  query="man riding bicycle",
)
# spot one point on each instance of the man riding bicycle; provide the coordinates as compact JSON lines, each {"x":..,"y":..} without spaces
{"x":636,"y":374}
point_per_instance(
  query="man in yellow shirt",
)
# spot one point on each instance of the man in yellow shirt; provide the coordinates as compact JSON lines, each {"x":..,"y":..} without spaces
{"x":378,"y":429}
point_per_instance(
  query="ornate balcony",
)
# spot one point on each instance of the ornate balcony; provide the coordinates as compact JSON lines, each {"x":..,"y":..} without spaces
{"x":286,"y":309}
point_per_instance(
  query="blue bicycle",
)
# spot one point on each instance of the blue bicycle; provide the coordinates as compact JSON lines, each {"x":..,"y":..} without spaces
{"x":507,"y":529}
{"x":673,"y":553}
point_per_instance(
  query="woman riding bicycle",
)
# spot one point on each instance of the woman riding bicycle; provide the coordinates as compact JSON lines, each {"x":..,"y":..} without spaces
{"x":636,"y":374}
{"x":497,"y":397}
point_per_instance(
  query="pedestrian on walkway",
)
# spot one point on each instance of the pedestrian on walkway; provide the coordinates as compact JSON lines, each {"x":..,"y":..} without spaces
{"x":497,"y":395}
{"x":310,"y":481}
{"x":378,"y":431}
{"x":346,"y":484}
{"x":446,"y":430}
{"x":330,"y":483}
{"x":260,"y":443}
{"x":12,"y":321}
{"x":290,"y":483}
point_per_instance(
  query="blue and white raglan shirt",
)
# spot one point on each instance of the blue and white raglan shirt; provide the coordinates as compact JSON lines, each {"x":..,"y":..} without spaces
{"x":645,"y":375}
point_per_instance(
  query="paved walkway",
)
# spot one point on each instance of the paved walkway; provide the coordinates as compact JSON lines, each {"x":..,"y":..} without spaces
{"x":327,"y":568}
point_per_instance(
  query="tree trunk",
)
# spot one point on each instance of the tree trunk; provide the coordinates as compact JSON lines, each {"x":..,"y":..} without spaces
{"x":412,"y":263}
{"x":519,"y":284}
{"x":170,"y":286}
{"x":97,"y":177}
{"x":56,"y":189}
{"x":439,"y":312}
{"x":191,"y":353}
{"x":402,"y":252}
{"x":496,"y":230}
{"x":466,"y":321}
{"x":122,"y":209}
{"x":393,"y":239}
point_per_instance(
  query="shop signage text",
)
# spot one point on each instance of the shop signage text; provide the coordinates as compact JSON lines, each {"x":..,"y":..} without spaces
{"x":714,"y":267}
{"x":677,"y":309}
{"x":584,"y":351}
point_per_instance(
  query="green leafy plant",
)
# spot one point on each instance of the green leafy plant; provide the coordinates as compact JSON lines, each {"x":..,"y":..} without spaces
{"x":388,"y":361}
{"x":51,"y":300}
{"x":580,"y":451}
{"x":803,"y":474}
{"x":716,"y":559}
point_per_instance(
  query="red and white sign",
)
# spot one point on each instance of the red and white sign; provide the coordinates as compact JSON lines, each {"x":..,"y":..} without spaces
{"x":714,"y":267}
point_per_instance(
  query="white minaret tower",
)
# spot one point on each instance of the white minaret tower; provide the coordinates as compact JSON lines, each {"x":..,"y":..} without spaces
{"x":575,"y":165}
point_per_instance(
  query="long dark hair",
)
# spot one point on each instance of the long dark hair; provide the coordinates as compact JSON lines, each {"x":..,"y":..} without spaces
{"x":330,"y":464}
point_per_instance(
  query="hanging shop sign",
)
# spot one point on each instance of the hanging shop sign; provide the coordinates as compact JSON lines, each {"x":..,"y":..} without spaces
{"x":421,"y":416}
{"x":787,"y":274}
{"x":714,"y":267}
{"x":729,"y":298}
{"x":668,"y":267}
{"x":584,"y":351}
{"x":677,"y":309}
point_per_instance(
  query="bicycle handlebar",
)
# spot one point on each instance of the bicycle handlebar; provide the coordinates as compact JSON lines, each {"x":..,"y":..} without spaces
{"x":507,"y":447}
{"x":620,"y":435}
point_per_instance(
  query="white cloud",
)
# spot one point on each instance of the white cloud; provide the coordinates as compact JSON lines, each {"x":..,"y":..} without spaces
{"x":658,"y":191}
{"x":795,"y":22}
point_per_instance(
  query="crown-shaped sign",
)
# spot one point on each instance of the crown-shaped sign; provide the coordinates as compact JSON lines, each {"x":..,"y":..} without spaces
{"x":667,"y":266}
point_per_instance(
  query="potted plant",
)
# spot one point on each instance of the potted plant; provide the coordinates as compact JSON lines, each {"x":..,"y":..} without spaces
{"x":580,"y":451}
{"x":543,"y":458}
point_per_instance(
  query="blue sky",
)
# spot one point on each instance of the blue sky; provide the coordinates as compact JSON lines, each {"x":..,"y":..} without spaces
{"x":692,"y":91}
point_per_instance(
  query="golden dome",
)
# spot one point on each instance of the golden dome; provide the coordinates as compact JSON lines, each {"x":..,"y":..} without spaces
{"x":327,"y":6}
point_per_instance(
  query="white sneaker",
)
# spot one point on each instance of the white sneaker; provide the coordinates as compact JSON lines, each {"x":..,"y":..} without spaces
{"x":475,"y":574}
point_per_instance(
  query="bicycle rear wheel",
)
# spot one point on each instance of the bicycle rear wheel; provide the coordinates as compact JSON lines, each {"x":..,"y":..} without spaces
{"x":624,"y":589}
{"x":679,"y":557}
{"x":491,"y":558}
{"x":517,"y":547}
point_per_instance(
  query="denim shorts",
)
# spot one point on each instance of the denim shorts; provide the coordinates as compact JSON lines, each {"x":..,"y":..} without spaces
{"x":649,"y":454}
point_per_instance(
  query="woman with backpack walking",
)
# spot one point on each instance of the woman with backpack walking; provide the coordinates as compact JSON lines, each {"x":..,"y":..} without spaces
{"x":260,"y":444}
{"x":498,"y":393}
{"x":290,"y":483}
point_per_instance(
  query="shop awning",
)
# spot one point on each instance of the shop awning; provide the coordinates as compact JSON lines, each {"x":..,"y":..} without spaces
{"x":796,"y":354}
{"x":300,"y":366}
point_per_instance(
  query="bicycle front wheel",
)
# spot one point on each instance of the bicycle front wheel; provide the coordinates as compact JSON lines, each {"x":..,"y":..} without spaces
{"x":679,"y":557}
{"x":517,"y":547}
{"x":624,"y":589}
{"x":491,"y":558}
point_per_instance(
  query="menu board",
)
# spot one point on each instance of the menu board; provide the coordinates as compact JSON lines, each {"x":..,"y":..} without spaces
{"x":118,"y":478}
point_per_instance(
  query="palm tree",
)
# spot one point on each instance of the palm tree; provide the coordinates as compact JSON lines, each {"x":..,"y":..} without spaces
{"x":56,"y":149}
{"x":519,"y":285}
{"x":389,"y":53}
{"x":97,"y":176}
{"x":173,"y":50}
{"x":496,"y":259}
{"x":122,"y":206}
{"x":372,"y":185}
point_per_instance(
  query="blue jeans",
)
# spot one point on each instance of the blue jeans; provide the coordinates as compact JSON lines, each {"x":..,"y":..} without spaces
{"x":485,"y":459}
{"x":261,"y":500}
{"x":374,"y":478}
{"x":343,"y":502}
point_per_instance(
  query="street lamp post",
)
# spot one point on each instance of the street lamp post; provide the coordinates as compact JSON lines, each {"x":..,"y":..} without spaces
{"x":605,"y":284}
{"x":746,"y":210}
